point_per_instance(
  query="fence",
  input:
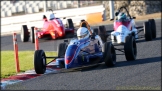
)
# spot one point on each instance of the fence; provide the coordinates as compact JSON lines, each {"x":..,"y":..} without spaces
{"x":16,"y":7}
{"x":13,"y":24}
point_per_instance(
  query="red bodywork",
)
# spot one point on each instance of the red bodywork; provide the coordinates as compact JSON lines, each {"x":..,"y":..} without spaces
{"x":54,"y":28}
{"x":125,"y":23}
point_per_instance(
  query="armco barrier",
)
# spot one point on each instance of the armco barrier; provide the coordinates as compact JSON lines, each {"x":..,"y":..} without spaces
{"x":13,"y":24}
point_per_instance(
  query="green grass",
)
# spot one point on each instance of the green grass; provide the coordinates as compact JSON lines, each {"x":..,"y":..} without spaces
{"x":8,"y":66}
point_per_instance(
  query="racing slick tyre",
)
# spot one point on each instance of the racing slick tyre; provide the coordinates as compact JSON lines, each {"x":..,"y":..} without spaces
{"x":109,"y":54}
{"x":32,"y":37}
{"x":24,"y":33}
{"x":95,"y":31}
{"x":130,"y":48}
{"x":153,"y":27}
{"x":39,"y":61}
{"x":70,"y":23}
{"x":102,"y":33}
{"x":61,"y":49}
{"x":147,"y":31}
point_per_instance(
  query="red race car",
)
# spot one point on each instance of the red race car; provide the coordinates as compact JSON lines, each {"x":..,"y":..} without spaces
{"x":52,"y":28}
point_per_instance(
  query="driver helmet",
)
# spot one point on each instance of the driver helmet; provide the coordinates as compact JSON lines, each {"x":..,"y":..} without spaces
{"x":82,"y":33}
{"x":52,"y":16}
{"x":122,"y":16}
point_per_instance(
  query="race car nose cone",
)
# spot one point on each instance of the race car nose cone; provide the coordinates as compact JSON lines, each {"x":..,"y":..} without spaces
{"x":68,"y":59}
{"x":70,"y":54}
{"x":120,"y":39}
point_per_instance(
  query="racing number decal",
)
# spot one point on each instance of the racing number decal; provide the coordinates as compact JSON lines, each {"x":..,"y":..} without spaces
{"x":121,"y":33}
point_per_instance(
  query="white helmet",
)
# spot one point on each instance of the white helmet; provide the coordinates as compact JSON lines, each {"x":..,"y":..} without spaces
{"x":50,"y":15}
{"x":82,"y":33}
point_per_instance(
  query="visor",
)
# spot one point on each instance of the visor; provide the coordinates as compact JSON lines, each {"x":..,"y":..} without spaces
{"x":82,"y":36}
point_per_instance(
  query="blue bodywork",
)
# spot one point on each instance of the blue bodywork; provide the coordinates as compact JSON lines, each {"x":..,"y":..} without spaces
{"x":80,"y":53}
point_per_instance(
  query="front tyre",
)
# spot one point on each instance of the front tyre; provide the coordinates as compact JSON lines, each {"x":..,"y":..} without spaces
{"x":39,"y":61}
{"x":130,"y":48}
{"x":109,"y":54}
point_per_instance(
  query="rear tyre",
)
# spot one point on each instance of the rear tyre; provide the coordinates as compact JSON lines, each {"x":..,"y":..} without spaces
{"x":32,"y":35}
{"x":130,"y":48}
{"x":109,"y":54}
{"x":24,"y":33}
{"x":95,"y":31}
{"x":153,"y":27}
{"x":102,"y":33}
{"x":61,"y":49}
{"x":147,"y":31}
{"x":39,"y":61}
{"x":70,"y":23}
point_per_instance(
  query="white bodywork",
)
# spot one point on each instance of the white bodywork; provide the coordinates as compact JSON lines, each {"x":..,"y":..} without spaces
{"x":122,"y":31}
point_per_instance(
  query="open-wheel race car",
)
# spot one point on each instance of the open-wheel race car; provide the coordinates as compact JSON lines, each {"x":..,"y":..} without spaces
{"x":79,"y":52}
{"x":52,"y":28}
{"x":124,"y":26}
{"x":126,"y":33}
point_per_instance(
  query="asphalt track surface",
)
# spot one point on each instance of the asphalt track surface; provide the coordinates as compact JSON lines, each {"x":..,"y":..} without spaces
{"x":142,"y":74}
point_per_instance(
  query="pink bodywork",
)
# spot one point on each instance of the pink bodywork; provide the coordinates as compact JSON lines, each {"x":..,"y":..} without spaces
{"x":54,"y":28}
{"x":125,"y":23}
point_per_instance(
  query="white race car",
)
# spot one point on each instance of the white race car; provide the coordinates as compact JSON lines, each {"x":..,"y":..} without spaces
{"x":126,"y":33}
{"x":124,"y":26}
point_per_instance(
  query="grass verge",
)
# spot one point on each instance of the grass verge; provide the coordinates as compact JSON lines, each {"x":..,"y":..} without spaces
{"x":8,"y":66}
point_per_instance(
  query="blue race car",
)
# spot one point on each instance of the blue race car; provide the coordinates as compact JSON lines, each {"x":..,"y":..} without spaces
{"x":78,"y":53}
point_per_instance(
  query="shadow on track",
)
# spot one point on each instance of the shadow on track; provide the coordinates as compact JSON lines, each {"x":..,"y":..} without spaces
{"x":127,"y":63}
{"x":118,"y":64}
{"x":143,"y":40}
